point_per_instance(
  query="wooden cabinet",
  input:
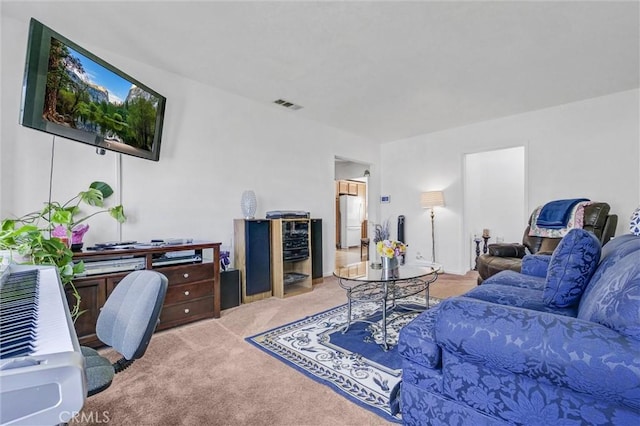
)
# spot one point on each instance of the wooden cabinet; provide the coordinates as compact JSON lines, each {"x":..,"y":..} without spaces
{"x":193,"y":292}
{"x":93,"y":294}
{"x":291,"y":257}
{"x":190,"y":296}
{"x":275,"y":256}
{"x":349,"y":187}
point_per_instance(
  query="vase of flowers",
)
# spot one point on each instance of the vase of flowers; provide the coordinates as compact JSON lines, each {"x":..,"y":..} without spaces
{"x":381,"y":233}
{"x":389,"y":262}
{"x":390,"y":251}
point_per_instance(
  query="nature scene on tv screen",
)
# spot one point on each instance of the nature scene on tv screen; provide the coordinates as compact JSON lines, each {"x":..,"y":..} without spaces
{"x":84,"y":95}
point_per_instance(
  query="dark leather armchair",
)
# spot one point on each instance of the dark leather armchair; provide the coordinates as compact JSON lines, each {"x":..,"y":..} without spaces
{"x":500,"y":257}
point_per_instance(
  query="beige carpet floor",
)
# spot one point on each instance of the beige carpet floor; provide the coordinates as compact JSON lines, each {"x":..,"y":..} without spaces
{"x":205,"y":373}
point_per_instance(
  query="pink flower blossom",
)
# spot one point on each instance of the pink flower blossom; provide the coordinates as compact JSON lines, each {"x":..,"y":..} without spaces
{"x":77,"y":233}
{"x":59,"y":231}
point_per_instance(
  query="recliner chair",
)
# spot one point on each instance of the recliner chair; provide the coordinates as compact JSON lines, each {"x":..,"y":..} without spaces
{"x":500,"y":257}
{"x":126,"y":322}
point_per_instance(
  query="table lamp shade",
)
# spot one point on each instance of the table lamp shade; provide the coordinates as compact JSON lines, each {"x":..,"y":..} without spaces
{"x":431,"y":199}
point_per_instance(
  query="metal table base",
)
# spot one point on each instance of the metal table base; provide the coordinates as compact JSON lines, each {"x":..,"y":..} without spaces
{"x":390,"y":292}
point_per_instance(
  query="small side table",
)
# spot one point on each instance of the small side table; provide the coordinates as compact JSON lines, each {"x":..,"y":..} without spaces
{"x":364,"y":248}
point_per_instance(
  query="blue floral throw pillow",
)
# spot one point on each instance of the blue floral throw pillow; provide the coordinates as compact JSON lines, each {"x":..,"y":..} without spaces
{"x":634,"y":225}
{"x":571,"y":266}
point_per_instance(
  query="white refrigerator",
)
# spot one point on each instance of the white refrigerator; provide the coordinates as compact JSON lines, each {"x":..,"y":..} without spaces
{"x":350,"y":221}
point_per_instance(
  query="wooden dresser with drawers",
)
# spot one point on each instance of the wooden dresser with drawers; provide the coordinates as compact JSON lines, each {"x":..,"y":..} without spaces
{"x":193,"y":270}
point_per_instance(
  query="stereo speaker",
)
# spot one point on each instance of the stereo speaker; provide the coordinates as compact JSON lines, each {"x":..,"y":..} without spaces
{"x":257,"y":256}
{"x":316,"y":248}
{"x":401,"y":229}
{"x":229,"y":288}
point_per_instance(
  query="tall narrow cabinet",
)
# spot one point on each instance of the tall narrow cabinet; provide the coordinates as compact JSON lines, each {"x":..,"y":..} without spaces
{"x":291,"y":256}
{"x":252,"y":256}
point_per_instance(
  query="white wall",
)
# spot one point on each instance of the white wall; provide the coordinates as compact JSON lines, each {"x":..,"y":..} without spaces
{"x":584,"y":149}
{"x":215,"y":145}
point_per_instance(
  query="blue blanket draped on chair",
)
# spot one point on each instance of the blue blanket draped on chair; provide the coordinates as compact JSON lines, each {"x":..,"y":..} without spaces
{"x":555,"y":214}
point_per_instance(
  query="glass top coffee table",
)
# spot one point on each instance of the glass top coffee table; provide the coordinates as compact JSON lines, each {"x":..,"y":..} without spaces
{"x":390,"y":289}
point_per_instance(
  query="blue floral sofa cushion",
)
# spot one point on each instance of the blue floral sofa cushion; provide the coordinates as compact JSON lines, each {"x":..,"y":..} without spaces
{"x":616,"y":305}
{"x":535,"y":265}
{"x":516,"y":295}
{"x":571,"y":266}
{"x":517,"y":279}
{"x":418,"y":341}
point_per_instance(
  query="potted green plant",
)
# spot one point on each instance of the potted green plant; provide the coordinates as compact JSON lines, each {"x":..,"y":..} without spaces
{"x":30,"y":239}
{"x":62,"y":217}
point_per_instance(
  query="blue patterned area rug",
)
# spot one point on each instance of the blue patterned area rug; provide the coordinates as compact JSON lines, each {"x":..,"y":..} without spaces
{"x":352,"y":363}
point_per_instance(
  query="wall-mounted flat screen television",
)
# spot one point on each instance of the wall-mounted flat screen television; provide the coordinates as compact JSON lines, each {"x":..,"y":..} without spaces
{"x":72,"y":93}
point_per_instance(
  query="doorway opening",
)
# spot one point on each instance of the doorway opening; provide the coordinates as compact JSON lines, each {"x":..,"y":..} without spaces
{"x":351,"y":212}
{"x":494,"y":199}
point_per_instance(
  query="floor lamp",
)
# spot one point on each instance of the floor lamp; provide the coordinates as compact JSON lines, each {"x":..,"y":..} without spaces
{"x":430,"y":200}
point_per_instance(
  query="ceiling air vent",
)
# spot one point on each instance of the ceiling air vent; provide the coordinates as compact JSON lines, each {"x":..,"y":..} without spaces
{"x":287,"y":104}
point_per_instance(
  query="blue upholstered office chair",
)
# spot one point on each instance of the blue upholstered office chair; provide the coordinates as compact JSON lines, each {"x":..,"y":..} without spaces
{"x":125,"y":323}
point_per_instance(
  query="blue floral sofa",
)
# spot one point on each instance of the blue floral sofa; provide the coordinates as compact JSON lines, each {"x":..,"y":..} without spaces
{"x":557,"y":344}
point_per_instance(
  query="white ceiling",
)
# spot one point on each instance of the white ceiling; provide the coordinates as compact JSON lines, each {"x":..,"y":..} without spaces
{"x":385,"y":70}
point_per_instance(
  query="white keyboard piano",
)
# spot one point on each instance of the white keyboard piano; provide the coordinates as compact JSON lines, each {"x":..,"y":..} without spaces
{"x":42,"y":379}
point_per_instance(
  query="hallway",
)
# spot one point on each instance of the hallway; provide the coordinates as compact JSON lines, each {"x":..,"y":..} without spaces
{"x":348,"y":256}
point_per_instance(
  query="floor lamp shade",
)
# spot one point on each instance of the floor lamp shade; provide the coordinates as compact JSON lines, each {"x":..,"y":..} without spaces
{"x":430,"y":200}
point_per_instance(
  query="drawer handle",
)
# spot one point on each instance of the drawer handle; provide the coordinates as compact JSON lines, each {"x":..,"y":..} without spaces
{"x":185,"y":275}
{"x":186,"y":293}
{"x":186,"y":311}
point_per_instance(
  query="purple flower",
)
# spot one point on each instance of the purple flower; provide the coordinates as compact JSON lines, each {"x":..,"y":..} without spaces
{"x":78,"y":232}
